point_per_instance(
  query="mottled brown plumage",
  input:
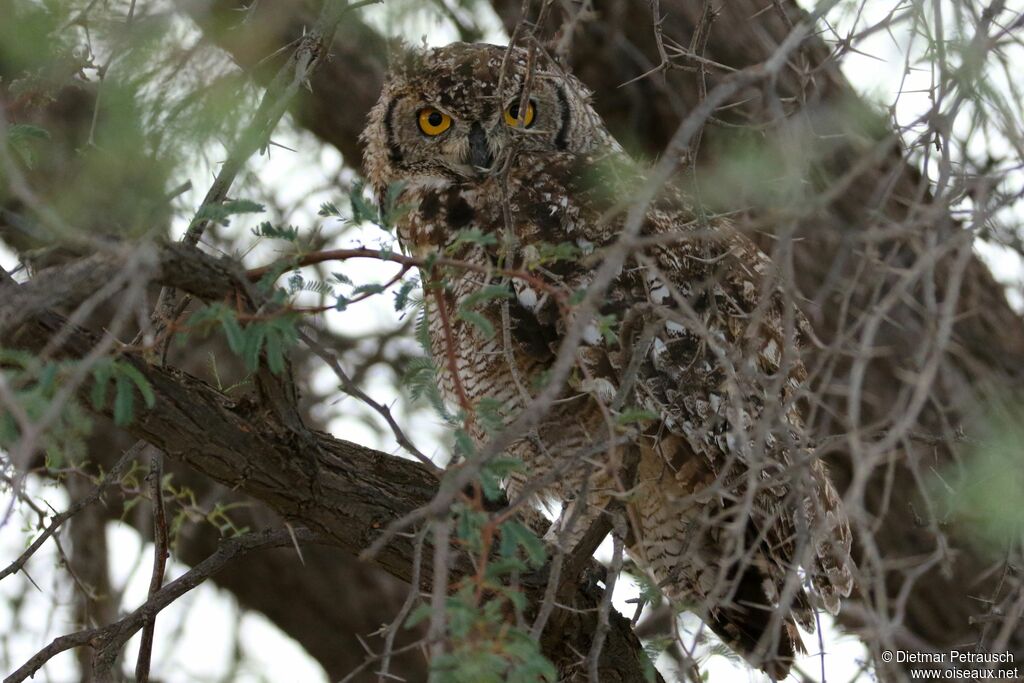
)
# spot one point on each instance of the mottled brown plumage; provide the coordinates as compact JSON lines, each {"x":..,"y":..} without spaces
{"x":692,"y":367}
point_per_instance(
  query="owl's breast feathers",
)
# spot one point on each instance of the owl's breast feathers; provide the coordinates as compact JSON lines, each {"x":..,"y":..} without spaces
{"x":697,"y":334}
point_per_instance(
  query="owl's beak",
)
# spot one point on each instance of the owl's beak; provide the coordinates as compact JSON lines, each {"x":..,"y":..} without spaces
{"x":479,"y":151}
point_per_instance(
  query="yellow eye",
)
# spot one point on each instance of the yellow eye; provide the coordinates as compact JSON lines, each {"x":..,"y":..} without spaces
{"x":433,"y":122}
{"x":512,"y":114}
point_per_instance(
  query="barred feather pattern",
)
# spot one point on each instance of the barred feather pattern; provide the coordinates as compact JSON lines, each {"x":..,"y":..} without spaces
{"x":731,"y":513}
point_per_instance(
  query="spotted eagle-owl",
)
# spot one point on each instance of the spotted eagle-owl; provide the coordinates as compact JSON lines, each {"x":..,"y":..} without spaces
{"x":687,"y":370}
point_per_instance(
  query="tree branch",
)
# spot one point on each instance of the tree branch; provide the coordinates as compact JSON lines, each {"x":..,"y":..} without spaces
{"x":351,"y":495}
{"x":108,"y":640}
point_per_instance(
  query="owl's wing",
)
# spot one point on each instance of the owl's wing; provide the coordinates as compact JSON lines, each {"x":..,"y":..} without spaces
{"x":706,"y":346}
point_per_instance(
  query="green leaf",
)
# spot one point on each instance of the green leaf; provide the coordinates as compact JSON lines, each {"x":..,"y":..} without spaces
{"x":419,"y":614}
{"x":101,"y":374}
{"x":139,"y":380}
{"x":473,"y":236}
{"x":516,"y":535}
{"x":124,"y":401}
{"x":486,"y":295}
{"x":24,"y":131}
{"x":403,"y":294}
{"x":219,"y":213}
{"x":980,"y":492}
{"x":363,"y":211}
{"x":392,"y":211}
{"x":423,"y":330}
{"x":275,"y":353}
{"x":563,"y":251}
{"x":489,"y":411}
{"x":369,"y":289}
{"x":233,"y":332}
{"x":464,"y":443}
{"x":502,"y":466}
{"x":288,"y":233}
{"x":606,"y":326}
{"x":329,"y":210}
{"x":48,"y":378}
{"x":23,"y":139}
{"x":478,"y":321}
{"x":253,"y":342}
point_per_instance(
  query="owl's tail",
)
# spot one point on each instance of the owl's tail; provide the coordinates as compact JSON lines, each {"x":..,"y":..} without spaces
{"x":746,"y":625}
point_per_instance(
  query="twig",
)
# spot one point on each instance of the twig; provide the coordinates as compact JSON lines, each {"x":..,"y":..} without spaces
{"x":160,"y":554}
{"x":403,"y":614}
{"x":353,"y":390}
{"x":439,"y":597}
{"x":109,"y":639}
{"x":594,"y":656}
{"x":107,"y":480}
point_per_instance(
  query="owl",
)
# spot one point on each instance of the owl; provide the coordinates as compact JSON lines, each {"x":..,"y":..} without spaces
{"x":512,"y":193}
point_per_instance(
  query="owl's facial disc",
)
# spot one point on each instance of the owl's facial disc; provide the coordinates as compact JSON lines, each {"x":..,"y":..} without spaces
{"x":457,"y":113}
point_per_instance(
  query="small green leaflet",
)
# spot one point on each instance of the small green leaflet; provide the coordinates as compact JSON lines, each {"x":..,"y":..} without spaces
{"x":267,"y":229}
{"x":23,"y":139}
{"x":473,"y":236}
{"x":219,"y":213}
{"x":127,"y":380}
{"x":329,"y":210}
{"x":402,"y":296}
{"x":515,"y":535}
{"x":478,"y":321}
{"x":273,"y":335}
{"x":486,"y":294}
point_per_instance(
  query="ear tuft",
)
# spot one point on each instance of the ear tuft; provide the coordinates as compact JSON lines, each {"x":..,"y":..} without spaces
{"x":403,"y":59}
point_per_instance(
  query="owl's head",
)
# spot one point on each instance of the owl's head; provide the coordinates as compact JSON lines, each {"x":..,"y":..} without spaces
{"x":452,"y":113}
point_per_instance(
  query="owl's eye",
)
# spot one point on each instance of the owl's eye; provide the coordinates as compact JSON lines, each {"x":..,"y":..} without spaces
{"x":512,"y":114}
{"x":433,"y":122}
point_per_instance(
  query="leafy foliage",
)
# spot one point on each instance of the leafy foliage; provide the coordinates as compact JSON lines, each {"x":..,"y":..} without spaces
{"x":472,"y":236}
{"x":33,"y":385}
{"x":546,"y":253}
{"x":485,"y":645}
{"x":23,"y":139}
{"x":288,"y":233}
{"x":384,"y":216}
{"x":421,"y":380}
{"x":221,"y":213}
{"x":468,"y":308}
{"x":127,"y":380}
{"x":270,"y":336}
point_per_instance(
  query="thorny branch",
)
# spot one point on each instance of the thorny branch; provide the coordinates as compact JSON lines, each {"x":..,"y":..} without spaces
{"x":108,"y":640}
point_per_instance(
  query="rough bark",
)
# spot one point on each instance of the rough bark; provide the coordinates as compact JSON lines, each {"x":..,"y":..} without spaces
{"x":345,"y":493}
{"x":324,"y":600}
